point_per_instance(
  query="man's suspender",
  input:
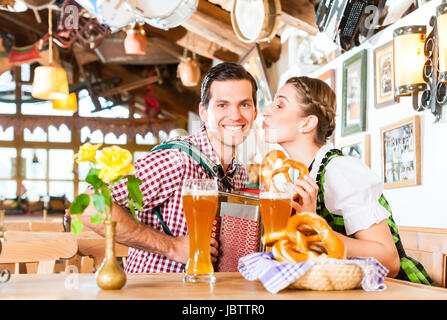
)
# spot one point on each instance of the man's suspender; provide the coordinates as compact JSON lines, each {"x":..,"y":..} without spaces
{"x":197,"y":154}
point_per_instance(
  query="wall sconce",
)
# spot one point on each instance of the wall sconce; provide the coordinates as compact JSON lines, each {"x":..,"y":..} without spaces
{"x":420,"y":63}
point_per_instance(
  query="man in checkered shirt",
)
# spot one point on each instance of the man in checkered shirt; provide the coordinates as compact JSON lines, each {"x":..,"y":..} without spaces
{"x":228,"y":109}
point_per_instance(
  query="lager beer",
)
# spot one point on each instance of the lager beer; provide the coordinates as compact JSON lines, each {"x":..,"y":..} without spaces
{"x":200,"y":206}
{"x":275,"y":205}
{"x":275,"y":210}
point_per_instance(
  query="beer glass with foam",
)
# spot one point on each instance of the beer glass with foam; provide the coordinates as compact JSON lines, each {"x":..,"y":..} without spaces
{"x":276,"y":206}
{"x":200,"y":197}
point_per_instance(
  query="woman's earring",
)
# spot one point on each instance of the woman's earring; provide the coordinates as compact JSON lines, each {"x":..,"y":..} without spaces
{"x":300,"y":130}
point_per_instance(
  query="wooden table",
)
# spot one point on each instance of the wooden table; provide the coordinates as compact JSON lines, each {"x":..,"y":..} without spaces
{"x":169,"y":286}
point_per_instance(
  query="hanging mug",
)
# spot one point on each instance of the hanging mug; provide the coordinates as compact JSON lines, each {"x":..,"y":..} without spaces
{"x":189,"y":72}
{"x":135,"y":42}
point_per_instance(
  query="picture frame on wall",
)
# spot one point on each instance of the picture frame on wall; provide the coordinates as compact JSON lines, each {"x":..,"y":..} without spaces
{"x":357,"y":146}
{"x":354,"y":94}
{"x":384,"y":76}
{"x":329,"y":78}
{"x":401,"y":153}
{"x":254,"y":63}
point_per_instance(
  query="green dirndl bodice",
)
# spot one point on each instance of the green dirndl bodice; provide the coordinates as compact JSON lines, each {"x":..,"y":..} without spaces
{"x":410,"y":269}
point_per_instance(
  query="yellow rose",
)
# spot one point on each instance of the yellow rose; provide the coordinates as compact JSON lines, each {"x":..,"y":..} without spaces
{"x":114,"y":162}
{"x":87,"y":152}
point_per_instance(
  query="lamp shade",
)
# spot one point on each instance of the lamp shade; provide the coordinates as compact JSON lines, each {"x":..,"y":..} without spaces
{"x":50,"y":83}
{"x":70,"y":104}
{"x":409,"y":59}
{"x":441,"y":16}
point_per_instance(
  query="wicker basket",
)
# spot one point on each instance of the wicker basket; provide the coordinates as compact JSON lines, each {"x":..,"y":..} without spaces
{"x":326,"y":277}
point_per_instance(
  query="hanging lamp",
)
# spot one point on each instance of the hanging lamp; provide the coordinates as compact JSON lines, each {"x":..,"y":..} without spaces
{"x":50,"y":82}
{"x":69,"y":104}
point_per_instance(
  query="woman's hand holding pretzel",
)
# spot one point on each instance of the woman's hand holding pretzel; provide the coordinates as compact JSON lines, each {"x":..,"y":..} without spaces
{"x":306,"y":193}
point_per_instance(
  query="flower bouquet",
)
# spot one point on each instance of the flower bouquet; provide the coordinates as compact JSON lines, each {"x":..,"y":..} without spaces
{"x":107,"y":168}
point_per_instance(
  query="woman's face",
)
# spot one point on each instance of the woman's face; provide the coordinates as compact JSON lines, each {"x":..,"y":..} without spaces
{"x":282,"y":117}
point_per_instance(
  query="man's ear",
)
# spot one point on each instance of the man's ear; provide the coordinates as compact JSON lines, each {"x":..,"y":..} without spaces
{"x":203,"y":113}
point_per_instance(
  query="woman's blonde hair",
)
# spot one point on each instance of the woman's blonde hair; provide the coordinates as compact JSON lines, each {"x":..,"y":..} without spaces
{"x":320,"y":100}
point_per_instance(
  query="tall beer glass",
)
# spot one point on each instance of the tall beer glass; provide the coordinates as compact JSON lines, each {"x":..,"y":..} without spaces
{"x":200,"y":206}
{"x":275,"y":206}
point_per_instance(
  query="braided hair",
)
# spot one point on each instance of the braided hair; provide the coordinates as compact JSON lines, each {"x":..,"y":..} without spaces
{"x":318,"y":99}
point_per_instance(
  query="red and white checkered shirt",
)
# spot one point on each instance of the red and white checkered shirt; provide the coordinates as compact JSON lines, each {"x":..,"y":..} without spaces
{"x":162,"y":173}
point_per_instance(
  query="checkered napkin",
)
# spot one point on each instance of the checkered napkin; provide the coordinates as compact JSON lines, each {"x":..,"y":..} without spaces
{"x":276,"y":275}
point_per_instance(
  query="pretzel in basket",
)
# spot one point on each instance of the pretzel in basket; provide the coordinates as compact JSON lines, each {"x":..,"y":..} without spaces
{"x":307,"y":236}
{"x":268,"y":173}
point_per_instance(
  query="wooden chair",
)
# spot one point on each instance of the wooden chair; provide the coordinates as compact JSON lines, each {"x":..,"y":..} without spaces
{"x":91,"y":250}
{"x":44,"y":248}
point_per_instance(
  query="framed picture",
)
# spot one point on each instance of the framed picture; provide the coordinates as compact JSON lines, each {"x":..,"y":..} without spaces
{"x":401,"y":153}
{"x":384,"y":75}
{"x":357,"y":146}
{"x":329,"y":78}
{"x":354,"y":94}
{"x":254,"y":63}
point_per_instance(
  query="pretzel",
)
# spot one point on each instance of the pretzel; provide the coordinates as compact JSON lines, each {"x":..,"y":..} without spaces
{"x":268,"y":173}
{"x":307,"y":236}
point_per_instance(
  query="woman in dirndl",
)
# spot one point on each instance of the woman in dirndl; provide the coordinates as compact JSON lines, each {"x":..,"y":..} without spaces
{"x":341,"y":189}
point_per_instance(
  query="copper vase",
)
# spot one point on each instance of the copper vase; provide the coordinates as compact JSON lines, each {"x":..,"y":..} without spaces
{"x":110,"y":275}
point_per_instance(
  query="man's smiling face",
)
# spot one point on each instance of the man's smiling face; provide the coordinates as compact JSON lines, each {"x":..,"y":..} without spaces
{"x":230,"y":112}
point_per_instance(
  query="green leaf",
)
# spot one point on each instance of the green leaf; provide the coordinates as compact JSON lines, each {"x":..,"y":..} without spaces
{"x":107,"y":196}
{"x":132,"y":210}
{"x":76,"y":225}
{"x":133,"y":186}
{"x":79,"y":204}
{"x":93,"y":178}
{"x":96,"y":218}
{"x":99,"y":202}
{"x":135,"y":205}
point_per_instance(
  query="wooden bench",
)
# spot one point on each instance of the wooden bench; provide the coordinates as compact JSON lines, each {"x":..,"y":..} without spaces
{"x":429,"y":247}
{"x":37,"y":252}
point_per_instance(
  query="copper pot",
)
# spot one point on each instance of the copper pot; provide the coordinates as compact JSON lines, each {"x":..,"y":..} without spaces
{"x":189,"y":72}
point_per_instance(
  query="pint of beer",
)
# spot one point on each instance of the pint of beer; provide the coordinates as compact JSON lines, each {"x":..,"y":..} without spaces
{"x":275,"y":207}
{"x":200,"y":199}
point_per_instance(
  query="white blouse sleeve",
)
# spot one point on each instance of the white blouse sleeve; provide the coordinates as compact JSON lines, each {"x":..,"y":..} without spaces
{"x":352,"y":190}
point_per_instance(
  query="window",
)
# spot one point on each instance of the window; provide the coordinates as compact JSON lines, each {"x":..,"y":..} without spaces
{"x":61,"y":164}
{"x":7,"y":162}
{"x":7,"y":108}
{"x":87,"y":108}
{"x":149,"y":139}
{"x":35,"y":163}
{"x":35,"y":189}
{"x":38,"y":135}
{"x":63,"y":134}
{"x":96,"y":137}
{"x":62,"y":188}
{"x":44,"y":108}
{"x":8,"y":189}
{"x":7,"y":134}
{"x":110,"y":138}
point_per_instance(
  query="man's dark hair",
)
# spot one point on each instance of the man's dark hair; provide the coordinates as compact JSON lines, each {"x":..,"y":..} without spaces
{"x":226,"y":71}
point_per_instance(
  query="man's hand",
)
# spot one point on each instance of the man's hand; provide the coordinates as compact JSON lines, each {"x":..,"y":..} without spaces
{"x":181,"y":250}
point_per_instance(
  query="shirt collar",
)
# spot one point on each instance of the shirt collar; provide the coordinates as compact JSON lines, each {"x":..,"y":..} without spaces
{"x":318,"y":158}
{"x":203,"y":142}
